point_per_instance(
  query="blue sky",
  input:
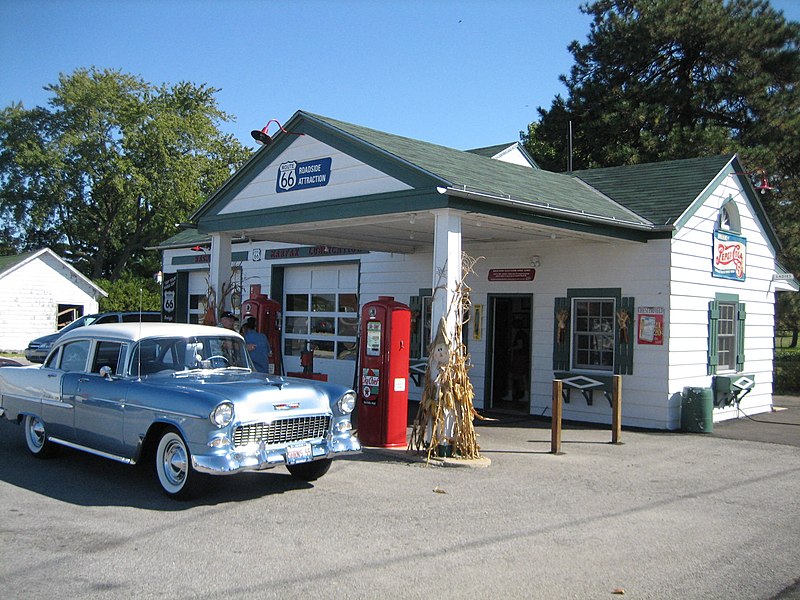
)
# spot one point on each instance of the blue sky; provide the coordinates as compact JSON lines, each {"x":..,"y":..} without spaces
{"x":463,"y":73}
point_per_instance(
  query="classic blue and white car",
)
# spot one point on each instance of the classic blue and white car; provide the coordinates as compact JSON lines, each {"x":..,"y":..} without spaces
{"x":184,"y":396}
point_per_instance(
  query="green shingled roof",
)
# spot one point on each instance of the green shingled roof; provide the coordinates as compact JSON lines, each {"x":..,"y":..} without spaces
{"x":490,"y":151}
{"x":459,"y":169}
{"x":660,"y":192}
{"x":650,"y":196}
{"x":184,"y":238}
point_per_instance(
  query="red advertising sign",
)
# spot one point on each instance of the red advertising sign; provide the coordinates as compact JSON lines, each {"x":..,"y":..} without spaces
{"x":730,"y":256}
{"x":650,"y":320}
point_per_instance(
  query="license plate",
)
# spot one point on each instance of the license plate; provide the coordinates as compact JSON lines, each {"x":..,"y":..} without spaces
{"x":298,"y":453}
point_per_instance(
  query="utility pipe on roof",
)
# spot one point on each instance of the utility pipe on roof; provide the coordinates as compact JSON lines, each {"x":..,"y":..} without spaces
{"x":546,"y":209}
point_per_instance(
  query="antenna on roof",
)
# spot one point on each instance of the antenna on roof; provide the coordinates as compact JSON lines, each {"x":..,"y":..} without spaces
{"x":569,"y":156}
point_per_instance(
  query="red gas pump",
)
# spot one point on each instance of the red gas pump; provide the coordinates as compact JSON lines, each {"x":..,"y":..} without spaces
{"x":268,"y":321}
{"x":383,"y":360}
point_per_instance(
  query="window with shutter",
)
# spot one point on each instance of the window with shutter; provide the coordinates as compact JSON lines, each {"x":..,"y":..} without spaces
{"x":593,"y":330}
{"x":726,"y":319}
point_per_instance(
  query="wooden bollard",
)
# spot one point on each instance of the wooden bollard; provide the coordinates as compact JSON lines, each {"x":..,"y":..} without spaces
{"x":555,"y":432}
{"x":616,"y":410}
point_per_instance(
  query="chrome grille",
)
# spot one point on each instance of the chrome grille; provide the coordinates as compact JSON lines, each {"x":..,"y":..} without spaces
{"x":283,"y":431}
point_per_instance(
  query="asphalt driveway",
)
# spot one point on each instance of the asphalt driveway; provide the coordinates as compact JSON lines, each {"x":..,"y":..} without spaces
{"x":663,"y":515}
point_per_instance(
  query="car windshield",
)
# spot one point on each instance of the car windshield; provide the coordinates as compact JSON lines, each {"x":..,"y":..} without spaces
{"x":171,"y":354}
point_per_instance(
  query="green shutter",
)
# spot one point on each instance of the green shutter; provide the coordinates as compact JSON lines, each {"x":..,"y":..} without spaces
{"x":561,"y":336}
{"x":713,"y":336}
{"x":623,"y":350}
{"x":740,"y":317}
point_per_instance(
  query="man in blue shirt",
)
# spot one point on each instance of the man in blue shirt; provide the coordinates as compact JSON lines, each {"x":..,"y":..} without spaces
{"x":257,"y":344}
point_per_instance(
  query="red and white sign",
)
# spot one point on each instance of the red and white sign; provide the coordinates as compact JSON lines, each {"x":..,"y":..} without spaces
{"x":730,"y":256}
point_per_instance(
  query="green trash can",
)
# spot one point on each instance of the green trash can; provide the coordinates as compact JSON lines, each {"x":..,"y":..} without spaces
{"x":697,"y":410}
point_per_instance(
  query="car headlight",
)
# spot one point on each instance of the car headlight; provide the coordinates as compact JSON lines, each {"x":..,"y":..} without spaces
{"x":45,"y":345}
{"x":347,"y":403}
{"x":222,"y":415}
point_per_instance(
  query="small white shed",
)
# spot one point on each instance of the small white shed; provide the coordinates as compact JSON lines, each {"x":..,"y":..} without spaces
{"x":37,"y":290}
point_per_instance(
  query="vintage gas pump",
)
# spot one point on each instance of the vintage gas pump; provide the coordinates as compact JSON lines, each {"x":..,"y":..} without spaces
{"x":268,"y":321}
{"x":383,"y":361}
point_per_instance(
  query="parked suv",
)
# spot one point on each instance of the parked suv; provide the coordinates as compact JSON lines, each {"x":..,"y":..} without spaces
{"x":39,"y":348}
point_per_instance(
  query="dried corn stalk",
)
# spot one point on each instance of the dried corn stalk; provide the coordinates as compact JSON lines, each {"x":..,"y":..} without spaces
{"x":445,"y":415}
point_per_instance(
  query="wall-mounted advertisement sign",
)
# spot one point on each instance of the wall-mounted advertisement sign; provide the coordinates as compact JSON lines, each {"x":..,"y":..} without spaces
{"x":650,"y":321}
{"x":294,"y":175}
{"x":512,"y":274}
{"x":169,"y":286}
{"x":730,"y":256}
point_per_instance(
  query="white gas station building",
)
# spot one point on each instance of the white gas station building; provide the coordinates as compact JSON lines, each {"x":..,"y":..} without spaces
{"x":662,"y":273}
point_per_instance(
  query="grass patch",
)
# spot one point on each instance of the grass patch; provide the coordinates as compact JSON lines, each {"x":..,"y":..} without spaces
{"x":787,"y":371}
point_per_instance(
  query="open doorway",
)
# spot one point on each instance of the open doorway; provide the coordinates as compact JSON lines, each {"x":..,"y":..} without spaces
{"x":509,"y":364}
{"x":67,"y":313}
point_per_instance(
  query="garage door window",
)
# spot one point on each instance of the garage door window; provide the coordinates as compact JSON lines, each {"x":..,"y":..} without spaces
{"x":327,"y":321}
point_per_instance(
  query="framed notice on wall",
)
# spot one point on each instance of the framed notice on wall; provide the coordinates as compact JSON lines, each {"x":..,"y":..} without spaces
{"x":477,"y":321}
{"x":650,"y":325}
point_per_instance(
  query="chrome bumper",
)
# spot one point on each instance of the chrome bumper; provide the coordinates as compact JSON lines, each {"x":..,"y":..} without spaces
{"x":257,"y":457}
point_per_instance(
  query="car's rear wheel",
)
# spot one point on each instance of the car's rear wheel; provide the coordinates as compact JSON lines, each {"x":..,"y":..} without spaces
{"x":311,"y":470}
{"x":36,"y":437}
{"x":174,"y":469}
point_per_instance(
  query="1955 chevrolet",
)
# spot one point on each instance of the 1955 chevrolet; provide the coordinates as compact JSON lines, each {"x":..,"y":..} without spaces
{"x":185,"y":397}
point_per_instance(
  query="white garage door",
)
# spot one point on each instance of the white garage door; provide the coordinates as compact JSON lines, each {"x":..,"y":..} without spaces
{"x":321,"y":309}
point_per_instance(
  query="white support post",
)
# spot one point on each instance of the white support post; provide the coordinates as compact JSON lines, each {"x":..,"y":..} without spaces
{"x":219,"y":274}
{"x":446,"y":268}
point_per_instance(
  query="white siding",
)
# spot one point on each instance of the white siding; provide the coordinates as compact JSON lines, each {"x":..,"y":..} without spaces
{"x":349,"y":178}
{"x":29,"y":299}
{"x":693,"y":287}
{"x":640,"y":270}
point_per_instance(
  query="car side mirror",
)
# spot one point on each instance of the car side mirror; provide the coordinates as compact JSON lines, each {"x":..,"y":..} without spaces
{"x":105,"y":373}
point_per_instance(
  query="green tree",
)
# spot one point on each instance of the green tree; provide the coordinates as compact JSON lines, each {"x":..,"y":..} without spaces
{"x":109,"y":167}
{"x":661,"y":79}
{"x":130,"y":293}
{"x":666,"y":79}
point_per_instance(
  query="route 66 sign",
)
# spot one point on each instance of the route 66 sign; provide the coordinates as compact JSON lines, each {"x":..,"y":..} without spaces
{"x":287,"y":176}
{"x":294,"y":175}
{"x":169,"y":302}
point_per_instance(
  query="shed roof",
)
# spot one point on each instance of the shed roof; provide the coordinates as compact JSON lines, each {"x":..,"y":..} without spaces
{"x":8,"y":264}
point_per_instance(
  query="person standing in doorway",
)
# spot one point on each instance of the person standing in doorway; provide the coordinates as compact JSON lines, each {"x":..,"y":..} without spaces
{"x":520,"y":362}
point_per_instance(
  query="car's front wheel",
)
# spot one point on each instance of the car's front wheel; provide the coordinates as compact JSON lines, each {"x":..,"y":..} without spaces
{"x":311,"y":470}
{"x":176,"y":475}
{"x":36,"y":437}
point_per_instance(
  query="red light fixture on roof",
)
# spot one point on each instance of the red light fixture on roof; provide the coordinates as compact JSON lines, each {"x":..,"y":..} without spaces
{"x":263,"y":138}
{"x":763,"y":183}
{"x":759,"y":179}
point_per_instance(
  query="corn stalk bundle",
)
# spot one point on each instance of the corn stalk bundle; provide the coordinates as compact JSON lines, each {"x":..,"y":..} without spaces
{"x":445,"y":416}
